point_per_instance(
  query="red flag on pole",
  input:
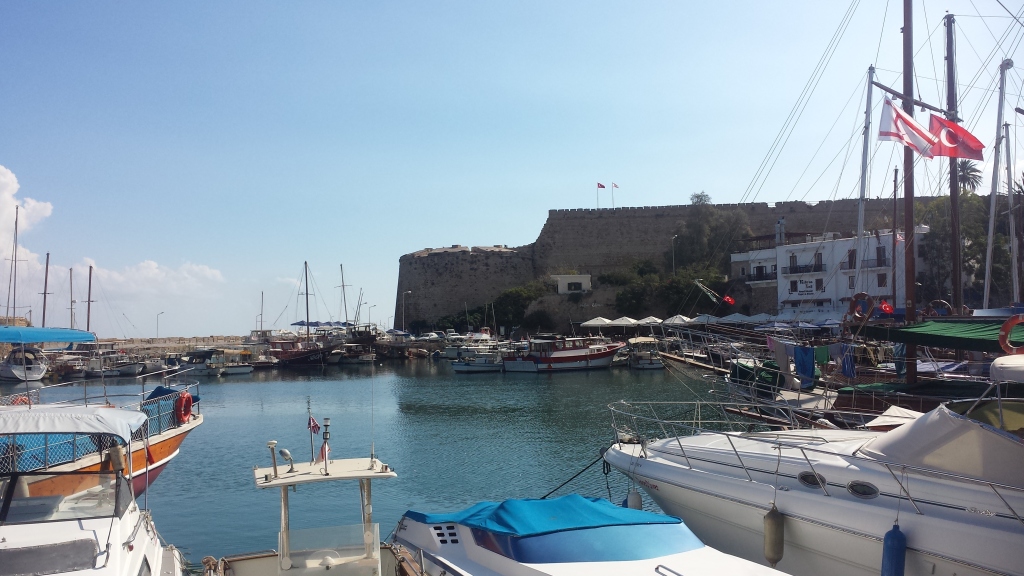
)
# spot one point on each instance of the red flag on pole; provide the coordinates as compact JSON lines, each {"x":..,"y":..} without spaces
{"x":313,"y":425}
{"x":599,"y":185}
{"x":899,"y":126}
{"x":325,"y":452}
{"x":954,"y":140}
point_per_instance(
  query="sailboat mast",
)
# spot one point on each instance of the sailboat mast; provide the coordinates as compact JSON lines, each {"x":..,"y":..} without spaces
{"x":14,"y":270}
{"x":1014,"y":271}
{"x":860,"y":252}
{"x":994,"y":195}
{"x":344,"y":301}
{"x":909,"y":260}
{"x":895,"y":205}
{"x":261,"y":310}
{"x":88,"y":305}
{"x":305,"y":268}
{"x":46,"y":282}
{"x":954,"y":174}
{"x":71,"y":284}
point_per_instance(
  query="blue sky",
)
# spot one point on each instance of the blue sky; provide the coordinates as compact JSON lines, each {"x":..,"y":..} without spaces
{"x":197,"y":153}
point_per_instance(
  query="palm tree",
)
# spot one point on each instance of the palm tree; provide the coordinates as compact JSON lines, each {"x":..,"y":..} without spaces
{"x":968,"y":174}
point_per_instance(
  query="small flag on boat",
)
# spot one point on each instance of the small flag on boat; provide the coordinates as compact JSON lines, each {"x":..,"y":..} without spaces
{"x":728,"y":300}
{"x":325,"y":451}
{"x":599,"y":185}
{"x":954,"y":140}
{"x":898,"y":126}
{"x":313,"y":426}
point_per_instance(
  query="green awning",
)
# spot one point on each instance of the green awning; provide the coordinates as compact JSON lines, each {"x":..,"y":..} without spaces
{"x":974,"y":335}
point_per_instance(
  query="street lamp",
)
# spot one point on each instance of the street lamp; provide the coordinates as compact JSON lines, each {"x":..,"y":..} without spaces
{"x":674,"y":255}
{"x":403,"y":308}
{"x":158,"y":325}
{"x":369,"y":314}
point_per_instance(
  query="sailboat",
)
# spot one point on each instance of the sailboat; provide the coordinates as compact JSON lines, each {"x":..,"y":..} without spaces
{"x":302,"y":352}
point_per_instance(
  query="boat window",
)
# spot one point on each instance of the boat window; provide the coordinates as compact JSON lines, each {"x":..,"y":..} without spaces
{"x":862,"y":489}
{"x":811,"y":480}
{"x":145,"y":570}
{"x":49,"y":497}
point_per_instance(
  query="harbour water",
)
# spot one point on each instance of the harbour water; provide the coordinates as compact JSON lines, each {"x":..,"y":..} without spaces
{"x":453,"y":439}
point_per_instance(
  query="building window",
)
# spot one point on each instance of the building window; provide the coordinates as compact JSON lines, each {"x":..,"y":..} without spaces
{"x":575,"y":286}
{"x":774,"y":268}
{"x":743,"y":271}
{"x":819,"y":284}
{"x":882,"y":281}
{"x":792,"y":261}
{"x":880,"y":254}
{"x":792,"y":286}
{"x":794,"y":304}
{"x":817,"y":259}
{"x":853,"y":282}
{"x":851,"y":260}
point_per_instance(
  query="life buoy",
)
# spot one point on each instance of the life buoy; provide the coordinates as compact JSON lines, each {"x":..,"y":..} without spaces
{"x":1004,"y":334}
{"x":183,"y":407}
{"x":19,"y":401}
{"x":857,"y":315}
{"x":935,"y":304}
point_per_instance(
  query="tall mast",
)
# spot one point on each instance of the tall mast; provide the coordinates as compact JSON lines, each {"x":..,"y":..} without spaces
{"x":994,"y":195}
{"x":46,"y":282}
{"x":895,"y":205}
{"x":1013,"y":225}
{"x":14,"y":299}
{"x":909,"y":256}
{"x":954,"y":174}
{"x":71,"y":283}
{"x":88,"y":305}
{"x":261,"y":310}
{"x":305,"y":268}
{"x":864,"y":178}
{"x":344,"y":301}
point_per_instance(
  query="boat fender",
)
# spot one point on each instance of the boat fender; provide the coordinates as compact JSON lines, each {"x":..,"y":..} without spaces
{"x":183,"y":407}
{"x":1004,"y":334}
{"x":774,"y":536}
{"x":117,"y":458}
{"x":633,"y":500}
{"x":894,"y":552}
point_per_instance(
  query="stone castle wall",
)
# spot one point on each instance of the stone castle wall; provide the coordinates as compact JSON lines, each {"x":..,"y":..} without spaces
{"x":594,"y":241}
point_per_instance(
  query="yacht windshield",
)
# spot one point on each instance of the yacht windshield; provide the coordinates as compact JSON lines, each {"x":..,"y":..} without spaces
{"x":31,"y":497}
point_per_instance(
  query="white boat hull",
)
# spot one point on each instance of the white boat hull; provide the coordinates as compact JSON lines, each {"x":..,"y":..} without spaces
{"x":241,"y":369}
{"x":465,"y":367}
{"x":131,"y":369}
{"x":30,"y":373}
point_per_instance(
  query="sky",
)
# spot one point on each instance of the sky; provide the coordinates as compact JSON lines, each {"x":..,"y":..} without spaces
{"x":196,"y":153}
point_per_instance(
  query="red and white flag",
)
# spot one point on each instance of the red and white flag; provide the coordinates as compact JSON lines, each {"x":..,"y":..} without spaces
{"x":599,"y":185}
{"x":313,"y":425}
{"x":898,"y":126}
{"x":614,"y":185}
{"x":954,"y":140}
{"x":325,"y":452}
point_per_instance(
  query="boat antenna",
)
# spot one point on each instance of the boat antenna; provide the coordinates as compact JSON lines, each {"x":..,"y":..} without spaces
{"x":46,"y":282}
{"x":373,"y":454}
{"x":309,"y":424}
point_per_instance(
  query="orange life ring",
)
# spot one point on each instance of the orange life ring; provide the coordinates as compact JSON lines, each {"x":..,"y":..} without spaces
{"x":183,"y":407}
{"x":19,"y":401}
{"x":1004,"y":334}
{"x":861,"y":316}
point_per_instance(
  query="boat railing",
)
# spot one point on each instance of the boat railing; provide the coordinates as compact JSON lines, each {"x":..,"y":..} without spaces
{"x":28,"y":452}
{"x":640,"y":423}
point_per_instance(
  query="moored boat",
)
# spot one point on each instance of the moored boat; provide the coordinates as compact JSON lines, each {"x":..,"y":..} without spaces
{"x":24,"y":363}
{"x":557,"y":353}
{"x":483,"y":362}
{"x":643,"y":354}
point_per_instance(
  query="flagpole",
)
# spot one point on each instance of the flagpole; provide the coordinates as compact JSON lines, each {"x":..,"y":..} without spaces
{"x":312,"y":449}
{"x":597,"y":193}
{"x":613,"y":195}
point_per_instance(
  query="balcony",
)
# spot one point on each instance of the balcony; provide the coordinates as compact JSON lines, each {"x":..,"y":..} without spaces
{"x":876,"y":263}
{"x":803,"y":269}
{"x":762,"y":277}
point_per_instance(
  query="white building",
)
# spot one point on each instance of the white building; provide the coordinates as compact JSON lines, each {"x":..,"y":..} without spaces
{"x":571,"y":283}
{"x":815,"y":279}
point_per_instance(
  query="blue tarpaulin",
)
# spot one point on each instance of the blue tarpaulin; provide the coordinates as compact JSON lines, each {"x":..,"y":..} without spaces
{"x":535,"y":517}
{"x":31,"y":334}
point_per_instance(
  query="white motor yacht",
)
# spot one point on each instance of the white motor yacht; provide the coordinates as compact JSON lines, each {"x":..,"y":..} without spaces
{"x":79,"y":522}
{"x":24,"y":363}
{"x":953,"y":479}
{"x":567,"y":536}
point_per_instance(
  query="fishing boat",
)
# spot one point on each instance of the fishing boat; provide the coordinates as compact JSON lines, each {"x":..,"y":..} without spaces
{"x":203,"y":362}
{"x":62,"y":519}
{"x":952,"y":479}
{"x":24,"y":363}
{"x":643,"y":354}
{"x":352,"y":549}
{"x":565,"y":536}
{"x":353,"y":354}
{"x":557,"y":353}
{"x":483,"y":362}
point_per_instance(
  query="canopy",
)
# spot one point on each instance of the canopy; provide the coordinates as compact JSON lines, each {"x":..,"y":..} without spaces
{"x":649,"y":321}
{"x":523,"y":518}
{"x":624,"y":321}
{"x":978,"y":336}
{"x":772,"y":326}
{"x":760,"y":318}
{"x":1007,"y":369}
{"x":49,"y":419}
{"x":830,"y":323}
{"x":806,"y":325}
{"x":736,"y":317}
{"x":27,"y":334}
{"x":705,"y":319}
{"x":677,"y":320}
{"x":596,"y":322}
{"x":894,"y":416}
{"x":944,"y":440}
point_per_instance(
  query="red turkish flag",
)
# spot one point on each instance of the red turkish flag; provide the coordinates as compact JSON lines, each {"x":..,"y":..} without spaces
{"x":729,"y":300}
{"x":954,"y":140}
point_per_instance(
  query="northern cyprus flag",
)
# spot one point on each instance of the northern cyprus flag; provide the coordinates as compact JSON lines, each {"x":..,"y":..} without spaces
{"x":898,"y":126}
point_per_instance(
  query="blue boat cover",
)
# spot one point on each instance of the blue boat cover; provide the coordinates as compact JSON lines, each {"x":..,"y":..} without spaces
{"x":535,"y":517}
{"x":31,"y":334}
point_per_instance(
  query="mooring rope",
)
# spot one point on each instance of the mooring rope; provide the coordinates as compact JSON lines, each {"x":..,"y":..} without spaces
{"x":576,"y":475}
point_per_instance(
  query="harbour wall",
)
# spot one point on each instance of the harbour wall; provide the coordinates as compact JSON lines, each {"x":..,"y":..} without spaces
{"x":444,"y":281}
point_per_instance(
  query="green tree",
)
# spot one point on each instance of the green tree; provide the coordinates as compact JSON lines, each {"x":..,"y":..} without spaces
{"x":968,"y":174}
{"x":700,"y":198}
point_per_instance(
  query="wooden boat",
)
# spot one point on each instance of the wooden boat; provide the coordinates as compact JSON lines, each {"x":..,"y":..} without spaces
{"x":556,"y":353}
